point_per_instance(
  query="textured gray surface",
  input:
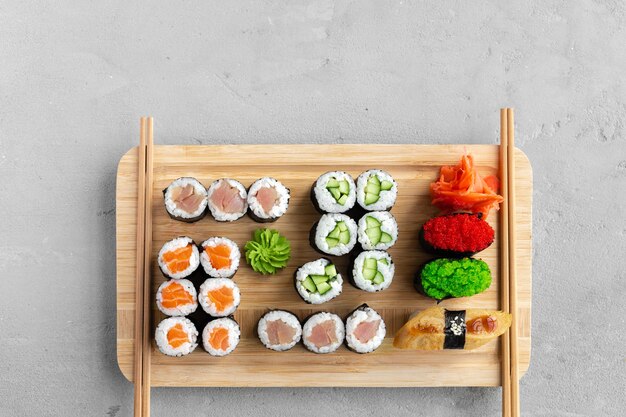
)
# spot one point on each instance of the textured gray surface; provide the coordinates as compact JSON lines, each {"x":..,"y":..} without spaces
{"x":75,"y":77}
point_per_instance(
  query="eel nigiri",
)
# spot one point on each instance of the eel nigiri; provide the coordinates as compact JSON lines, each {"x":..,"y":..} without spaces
{"x":437,"y":328}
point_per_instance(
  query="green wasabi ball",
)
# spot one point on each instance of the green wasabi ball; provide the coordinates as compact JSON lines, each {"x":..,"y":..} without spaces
{"x":268,"y":251}
{"x":445,"y":278}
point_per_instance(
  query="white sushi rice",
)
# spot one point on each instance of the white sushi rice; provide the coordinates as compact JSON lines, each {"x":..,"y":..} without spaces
{"x":161,"y":336}
{"x":182,"y":310}
{"x":326,"y":225}
{"x":387,"y":198}
{"x":234,"y":333}
{"x":216,"y":212}
{"x":176,"y":243}
{"x":388,"y":225}
{"x":360,"y":315}
{"x":212,"y":284}
{"x":387,"y":271}
{"x":317,"y":268}
{"x":325,"y":199}
{"x":235,"y":256}
{"x":307,"y":330}
{"x":279,"y":208}
{"x":287,"y":317}
{"x":170,"y":204}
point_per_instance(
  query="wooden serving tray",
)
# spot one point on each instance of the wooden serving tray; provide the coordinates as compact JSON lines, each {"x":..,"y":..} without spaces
{"x":414,"y":167}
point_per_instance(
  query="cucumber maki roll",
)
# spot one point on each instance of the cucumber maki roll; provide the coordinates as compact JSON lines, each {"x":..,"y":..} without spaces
{"x":372,"y":271}
{"x":333,"y":192}
{"x":185,"y":199}
{"x":323,"y":332}
{"x":178,"y":258}
{"x":376,"y":190}
{"x":456,"y":235}
{"x":318,"y":281}
{"x":279,"y":330}
{"x":445,"y":278}
{"x":377,"y":230}
{"x":365,"y":330}
{"x":227,"y":200}
{"x":334,"y":234}
{"x":268,"y":200}
{"x":176,"y":336}
{"x":221,"y":336}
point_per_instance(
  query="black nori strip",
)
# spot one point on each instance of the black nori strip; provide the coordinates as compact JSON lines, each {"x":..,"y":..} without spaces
{"x":417,"y":283}
{"x":447,"y":253}
{"x":454,"y":329}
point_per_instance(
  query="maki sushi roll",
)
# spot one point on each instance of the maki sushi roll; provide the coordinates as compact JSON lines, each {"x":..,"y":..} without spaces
{"x":221,"y":336}
{"x":227,"y":200}
{"x":323,"y":332}
{"x":185,"y":199}
{"x":334,"y":234}
{"x":177,"y":297}
{"x":456,"y":235}
{"x":365,"y":330}
{"x":219,"y":297}
{"x":333,"y":192}
{"x":176,"y":336}
{"x":377,"y":230}
{"x":376,"y":190}
{"x":437,"y":328}
{"x":318,"y":281}
{"x":268,"y":200}
{"x":452,"y":278}
{"x":372,"y":271}
{"x":179,"y":258}
{"x":279,"y":330}
{"x":220,"y":257}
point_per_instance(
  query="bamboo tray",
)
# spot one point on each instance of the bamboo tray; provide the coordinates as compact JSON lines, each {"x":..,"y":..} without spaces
{"x":297,"y":166}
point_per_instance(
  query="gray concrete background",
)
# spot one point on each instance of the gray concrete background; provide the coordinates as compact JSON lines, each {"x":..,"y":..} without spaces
{"x":76,"y":76}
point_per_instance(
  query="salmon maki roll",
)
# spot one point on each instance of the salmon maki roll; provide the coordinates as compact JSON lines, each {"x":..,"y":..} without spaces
{"x":221,"y":336}
{"x":179,"y":258}
{"x":365,"y":330}
{"x":177,"y":297}
{"x":219,"y":297}
{"x":219,"y":257}
{"x":279,"y":330}
{"x":176,"y":336}
{"x":456,"y":235}
{"x":323,"y":332}
{"x":185,"y":199}
{"x":227,"y":200}
{"x":268,"y":200}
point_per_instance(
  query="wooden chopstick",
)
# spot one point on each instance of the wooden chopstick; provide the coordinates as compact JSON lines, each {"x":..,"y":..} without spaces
{"x":142,"y":278}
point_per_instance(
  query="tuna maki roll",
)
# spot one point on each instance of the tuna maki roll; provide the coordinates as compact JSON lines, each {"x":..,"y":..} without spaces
{"x":372,"y":271}
{"x":227,"y":200}
{"x":176,"y":336}
{"x":376,"y":190}
{"x":452,"y":278}
{"x":279,"y":330}
{"x":377,"y":230}
{"x":179,"y":258}
{"x":323,"y":332}
{"x":334,"y":234}
{"x":365,"y":330}
{"x":221,"y":336}
{"x":185,"y":199}
{"x":219,"y":257}
{"x":268,"y":200}
{"x":456,"y":235}
{"x":219,"y":297}
{"x":334,"y":192}
{"x":177,"y":297}
{"x":318,"y":281}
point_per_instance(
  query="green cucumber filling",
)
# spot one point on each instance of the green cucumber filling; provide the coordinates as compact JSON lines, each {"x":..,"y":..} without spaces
{"x":321,"y":284}
{"x":371,"y":271}
{"x":374,"y":187}
{"x":374,"y":232}
{"x":340,"y":234}
{"x":339,"y":189}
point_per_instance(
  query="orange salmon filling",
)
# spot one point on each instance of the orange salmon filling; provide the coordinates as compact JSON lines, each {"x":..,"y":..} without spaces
{"x":176,"y":336}
{"x":177,"y":260}
{"x":175,"y":295}
{"x":219,"y":338}
{"x":219,"y":256}
{"x":221,"y":297}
